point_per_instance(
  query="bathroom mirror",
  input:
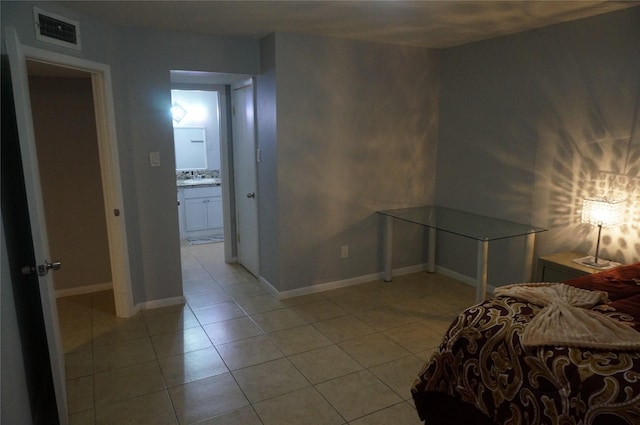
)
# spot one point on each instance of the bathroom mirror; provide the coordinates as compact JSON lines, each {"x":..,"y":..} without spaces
{"x":191,"y":148}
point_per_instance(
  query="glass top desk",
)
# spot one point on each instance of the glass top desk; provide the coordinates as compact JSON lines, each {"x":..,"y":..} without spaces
{"x":481,"y":228}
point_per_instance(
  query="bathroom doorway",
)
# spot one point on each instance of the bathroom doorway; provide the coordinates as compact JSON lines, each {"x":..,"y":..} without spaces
{"x":197,"y":133}
{"x":221,"y":84}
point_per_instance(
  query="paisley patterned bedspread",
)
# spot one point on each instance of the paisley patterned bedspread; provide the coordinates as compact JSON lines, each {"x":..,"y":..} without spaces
{"x":481,"y":361}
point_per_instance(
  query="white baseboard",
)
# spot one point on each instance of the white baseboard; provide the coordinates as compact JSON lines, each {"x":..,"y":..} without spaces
{"x":88,"y":289}
{"x":80,"y":290}
{"x":340,"y":283}
{"x":307,"y":290}
{"x":164,"y":302}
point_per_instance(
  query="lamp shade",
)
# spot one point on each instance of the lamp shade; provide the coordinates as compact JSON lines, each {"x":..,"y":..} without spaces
{"x":603,"y":212}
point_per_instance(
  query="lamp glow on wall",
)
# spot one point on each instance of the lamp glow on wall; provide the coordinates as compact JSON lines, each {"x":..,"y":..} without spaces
{"x":601,"y":212}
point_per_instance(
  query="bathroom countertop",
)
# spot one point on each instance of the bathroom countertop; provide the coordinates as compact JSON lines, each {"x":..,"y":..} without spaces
{"x":198,"y":182}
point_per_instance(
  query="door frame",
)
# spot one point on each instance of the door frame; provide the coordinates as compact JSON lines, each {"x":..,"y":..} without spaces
{"x":112,"y":189}
{"x":108,"y":153}
{"x":223,"y":84}
{"x":200,"y":83}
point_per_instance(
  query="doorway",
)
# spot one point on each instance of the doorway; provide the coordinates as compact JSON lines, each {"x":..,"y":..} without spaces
{"x":66,"y":139}
{"x":231,"y":167}
{"x":197,"y":132}
{"x":41,"y":63}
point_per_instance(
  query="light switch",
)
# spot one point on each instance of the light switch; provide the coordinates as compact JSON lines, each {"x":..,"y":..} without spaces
{"x":154,"y":158}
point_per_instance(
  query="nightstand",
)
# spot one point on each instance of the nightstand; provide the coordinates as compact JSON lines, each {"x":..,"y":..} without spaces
{"x":560,"y":267}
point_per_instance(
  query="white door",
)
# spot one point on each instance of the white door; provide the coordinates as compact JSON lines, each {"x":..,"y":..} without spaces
{"x":36,"y":217}
{"x":244,"y":165}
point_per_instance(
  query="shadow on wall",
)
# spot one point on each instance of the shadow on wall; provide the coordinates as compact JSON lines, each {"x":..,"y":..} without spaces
{"x":601,"y":164}
{"x":589,"y":144}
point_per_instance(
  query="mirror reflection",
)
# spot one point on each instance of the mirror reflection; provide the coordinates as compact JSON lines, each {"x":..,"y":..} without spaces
{"x":196,"y":128}
{"x":191,"y":148}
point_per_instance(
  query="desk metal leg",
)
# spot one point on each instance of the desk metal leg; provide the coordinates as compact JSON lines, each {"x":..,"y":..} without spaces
{"x":388,"y":247}
{"x":483,"y":254}
{"x":431,"y":251}
{"x":528,"y":257}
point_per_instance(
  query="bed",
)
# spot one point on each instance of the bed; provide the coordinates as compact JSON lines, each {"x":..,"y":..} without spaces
{"x":515,"y":359}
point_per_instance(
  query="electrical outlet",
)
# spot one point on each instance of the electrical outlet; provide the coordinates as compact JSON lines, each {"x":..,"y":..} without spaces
{"x":344,"y":251}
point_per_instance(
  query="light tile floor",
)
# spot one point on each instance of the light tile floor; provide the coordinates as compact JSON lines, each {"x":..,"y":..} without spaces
{"x":234,"y":354}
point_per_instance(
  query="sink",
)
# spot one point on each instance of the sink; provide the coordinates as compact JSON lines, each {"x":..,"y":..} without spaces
{"x":199,"y":182}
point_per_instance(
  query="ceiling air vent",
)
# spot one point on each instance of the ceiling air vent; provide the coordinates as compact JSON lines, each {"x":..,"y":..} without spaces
{"x":56,"y":29}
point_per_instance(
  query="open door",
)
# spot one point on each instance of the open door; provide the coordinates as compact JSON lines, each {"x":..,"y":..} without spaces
{"x":36,"y":218}
{"x":245,"y":164}
{"x":27,"y":391}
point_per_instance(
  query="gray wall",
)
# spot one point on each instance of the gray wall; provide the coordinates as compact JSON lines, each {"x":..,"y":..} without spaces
{"x":356,"y":133}
{"x":140,"y":63}
{"x":532,"y":123}
{"x":524,"y":124}
{"x":266,"y":127}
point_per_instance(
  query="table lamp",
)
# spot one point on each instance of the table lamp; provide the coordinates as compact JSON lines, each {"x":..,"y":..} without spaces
{"x":601,"y":212}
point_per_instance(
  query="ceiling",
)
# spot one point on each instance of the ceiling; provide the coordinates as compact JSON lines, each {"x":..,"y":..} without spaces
{"x":433,"y":24}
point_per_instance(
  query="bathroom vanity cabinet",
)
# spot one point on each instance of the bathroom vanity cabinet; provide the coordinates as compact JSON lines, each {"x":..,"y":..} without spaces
{"x":202,"y":210}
